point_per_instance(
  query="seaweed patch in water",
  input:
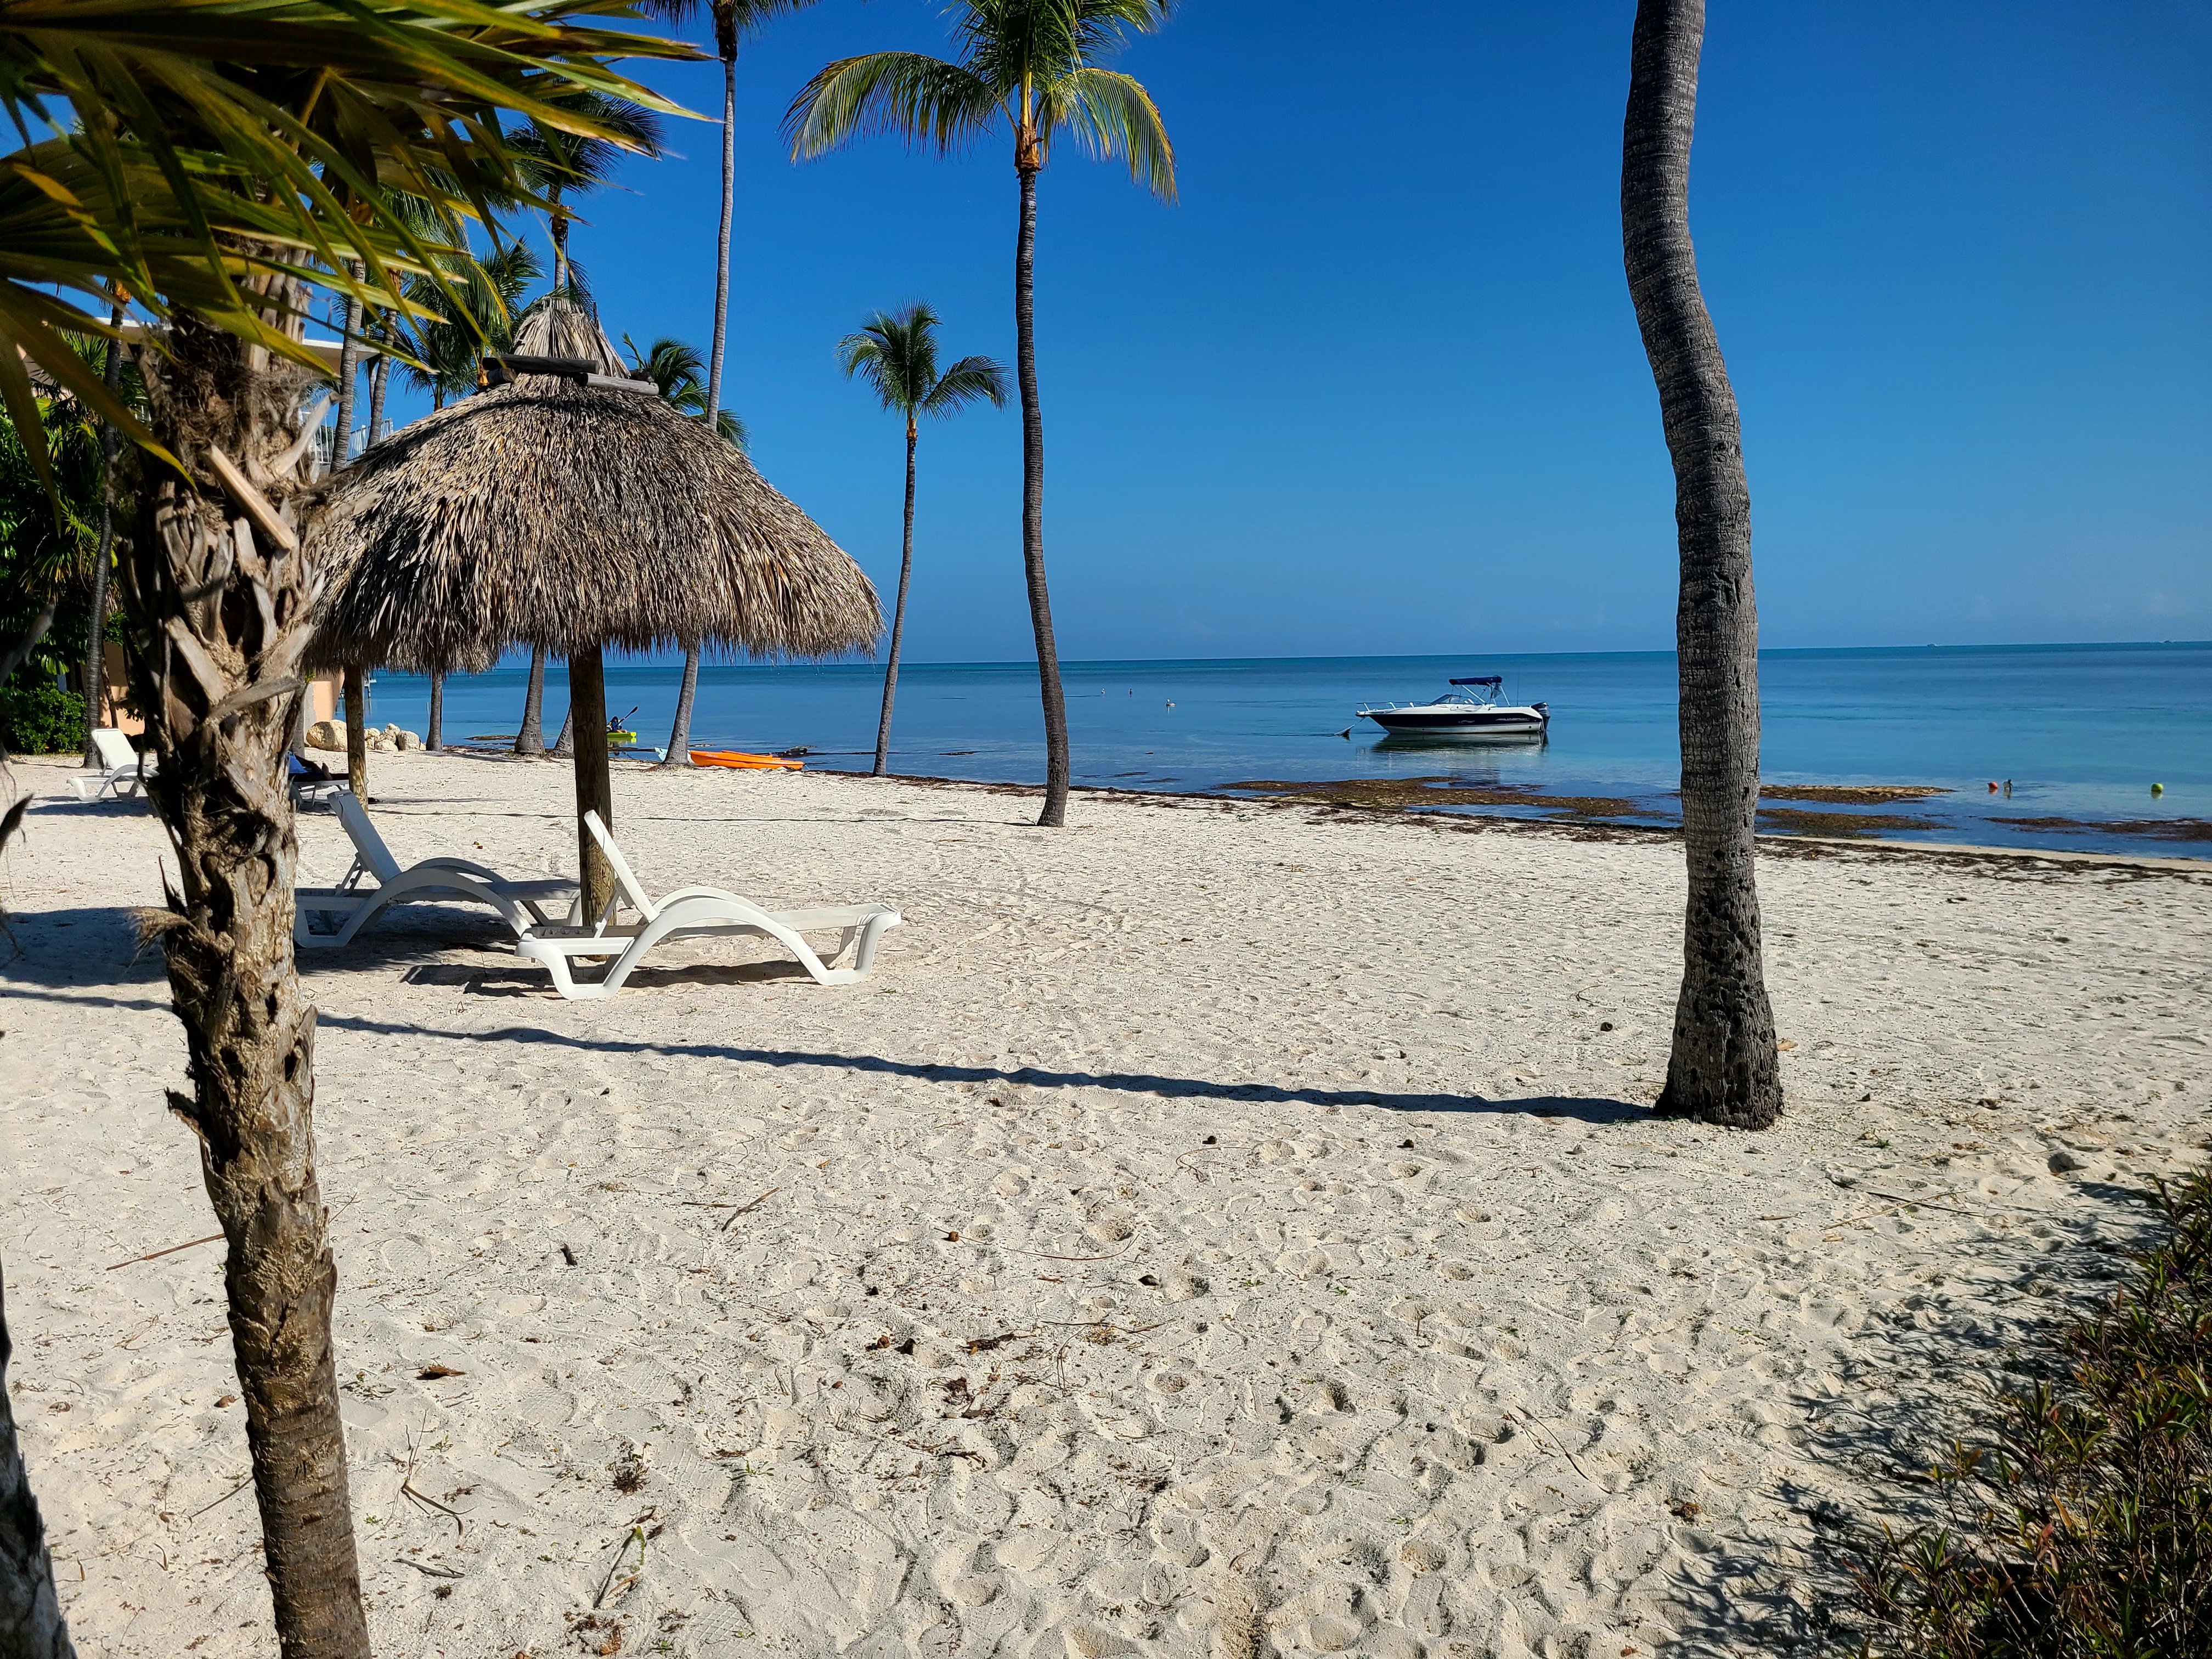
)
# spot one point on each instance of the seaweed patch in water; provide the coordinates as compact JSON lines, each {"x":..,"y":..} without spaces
{"x":1426,"y":794}
{"x":1794,"y":821}
{"x":2151,"y":829}
{"x":1851,"y":794}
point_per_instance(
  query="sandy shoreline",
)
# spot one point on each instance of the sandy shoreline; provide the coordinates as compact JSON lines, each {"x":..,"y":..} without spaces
{"x":1219,"y":1229}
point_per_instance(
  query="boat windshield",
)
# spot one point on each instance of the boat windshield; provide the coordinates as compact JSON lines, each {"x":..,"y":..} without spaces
{"x":1482,"y":691}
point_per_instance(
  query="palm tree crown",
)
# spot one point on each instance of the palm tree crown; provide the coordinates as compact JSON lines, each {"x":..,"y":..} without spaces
{"x":480,"y":301}
{"x":679,"y":372}
{"x":896,"y":355}
{"x":555,"y":162}
{"x":1035,"y":62}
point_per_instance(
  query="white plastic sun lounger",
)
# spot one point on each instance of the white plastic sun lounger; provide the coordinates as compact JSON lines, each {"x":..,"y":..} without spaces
{"x":692,"y":912}
{"x":343,"y":910}
{"x":120,"y":768}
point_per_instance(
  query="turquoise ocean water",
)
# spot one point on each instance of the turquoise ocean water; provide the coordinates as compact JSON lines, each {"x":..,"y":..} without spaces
{"x":2081,"y":732}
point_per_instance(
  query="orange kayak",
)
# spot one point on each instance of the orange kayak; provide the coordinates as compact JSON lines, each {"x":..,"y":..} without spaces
{"x":738,"y":760}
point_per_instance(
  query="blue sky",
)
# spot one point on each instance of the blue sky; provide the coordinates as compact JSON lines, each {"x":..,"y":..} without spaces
{"x":1373,"y":384}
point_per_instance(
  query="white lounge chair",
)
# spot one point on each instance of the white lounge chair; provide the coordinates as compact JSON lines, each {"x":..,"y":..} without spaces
{"x":122,"y":769}
{"x":344,"y":909}
{"x":312,"y":782}
{"x":693,"y":911}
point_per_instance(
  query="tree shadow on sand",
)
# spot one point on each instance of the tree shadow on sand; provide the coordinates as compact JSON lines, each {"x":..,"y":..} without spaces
{"x":1586,"y":1110}
{"x":402,"y":941}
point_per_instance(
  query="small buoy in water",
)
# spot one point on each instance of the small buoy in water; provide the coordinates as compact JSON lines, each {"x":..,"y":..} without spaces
{"x":2158,"y":789}
{"x":1993,"y":788}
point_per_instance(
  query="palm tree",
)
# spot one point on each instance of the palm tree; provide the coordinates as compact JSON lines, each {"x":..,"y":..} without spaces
{"x":897,"y":355}
{"x":683,"y":378}
{"x":480,"y":299}
{"x":1724,"y":1068}
{"x":1034,"y":64}
{"x":95,"y":644}
{"x":558,"y":161}
{"x":678,"y":372}
{"x":207,"y":150}
{"x":733,"y":20}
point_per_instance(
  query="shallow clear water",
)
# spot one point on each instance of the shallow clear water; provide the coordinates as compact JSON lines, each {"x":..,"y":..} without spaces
{"x":2080,"y":732}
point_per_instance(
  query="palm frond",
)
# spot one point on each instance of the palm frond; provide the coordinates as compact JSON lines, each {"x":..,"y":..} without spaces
{"x":895,"y":353}
{"x":971,"y":380}
{"x":922,"y":99}
{"x":551,"y":158}
{"x":1110,"y":115}
{"x":732,"y":19}
{"x":219,"y":142}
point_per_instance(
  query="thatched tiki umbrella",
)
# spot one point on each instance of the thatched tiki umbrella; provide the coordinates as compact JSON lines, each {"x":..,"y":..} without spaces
{"x":569,"y":511}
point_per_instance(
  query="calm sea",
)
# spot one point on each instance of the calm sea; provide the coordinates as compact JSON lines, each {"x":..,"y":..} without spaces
{"x":2080,"y":732}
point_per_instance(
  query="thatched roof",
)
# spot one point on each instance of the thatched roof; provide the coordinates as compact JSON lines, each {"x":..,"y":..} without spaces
{"x":573,"y":516}
{"x":560,"y":329}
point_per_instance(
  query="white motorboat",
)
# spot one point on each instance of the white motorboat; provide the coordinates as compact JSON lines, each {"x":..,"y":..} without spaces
{"x":1470,"y":709}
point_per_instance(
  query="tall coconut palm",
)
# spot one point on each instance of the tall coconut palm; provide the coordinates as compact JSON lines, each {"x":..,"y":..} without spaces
{"x":474,"y":303}
{"x":733,"y":20}
{"x":95,"y":644}
{"x":563,"y":163}
{"x":1034,"y":65}
{"x":212,"y":146}
{"x":896,"y":355}
{"x":1724,"y":1068}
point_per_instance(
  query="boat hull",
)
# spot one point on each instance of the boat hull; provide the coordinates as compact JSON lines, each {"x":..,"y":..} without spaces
{"x":1474,"y":722}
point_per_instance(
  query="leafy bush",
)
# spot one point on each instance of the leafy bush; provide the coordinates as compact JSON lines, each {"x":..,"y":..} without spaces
{"x":40,"y":718}
{"x":2084,"y":1529}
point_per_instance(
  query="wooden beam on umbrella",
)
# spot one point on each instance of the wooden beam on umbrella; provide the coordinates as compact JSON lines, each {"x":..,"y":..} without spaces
{"x":588,"y":708}
{"x":356,"y":722}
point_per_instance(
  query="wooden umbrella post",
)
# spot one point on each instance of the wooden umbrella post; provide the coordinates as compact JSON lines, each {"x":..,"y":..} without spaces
{"x":356,"y":719}
{"x":587,"y":707}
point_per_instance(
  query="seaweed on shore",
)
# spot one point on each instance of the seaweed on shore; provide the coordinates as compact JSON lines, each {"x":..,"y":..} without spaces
{"x":1795,"y":821}
{"x":2151,"y":829}
{"x":1851,"y":794}
{"x":1426,"y":794}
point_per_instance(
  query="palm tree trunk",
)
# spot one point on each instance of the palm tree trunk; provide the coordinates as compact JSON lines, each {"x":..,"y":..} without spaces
{"x":679,"y":733}
{"x":378,"y":378}
{"x":565,"y":744}
{"x":557,"y":225}
{"x":1724,"y":1068}
{"x":729,"y":46}
{"x":96,"y":645}
{"x":434,"y":738}
{"x":348,"y":373}
{"x":1055,"y":706}
{"x":219,"y":678}
{"x":531,"y":739}
{"x":357,"y":717}
{"x":31,"y":1623}
{"x":898,"y":615}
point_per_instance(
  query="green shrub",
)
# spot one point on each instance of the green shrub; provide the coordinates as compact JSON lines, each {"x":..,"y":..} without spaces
{"x":2083,"y":1529}
{"x":40,"y":718}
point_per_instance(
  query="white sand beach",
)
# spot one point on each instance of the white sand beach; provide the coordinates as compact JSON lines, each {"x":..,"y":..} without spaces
{"x":1216,"y":1229}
